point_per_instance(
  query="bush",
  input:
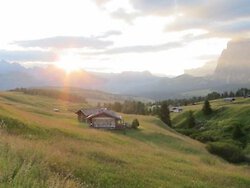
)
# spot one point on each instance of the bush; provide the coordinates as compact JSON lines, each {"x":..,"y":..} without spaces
{"x":203,"y":138}
{"x":184,"y":131}
{"x":227,"y":151}
{"x":135,"y":124}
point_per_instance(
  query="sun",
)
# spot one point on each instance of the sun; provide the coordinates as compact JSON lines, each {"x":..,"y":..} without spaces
{"x":69,"y":62}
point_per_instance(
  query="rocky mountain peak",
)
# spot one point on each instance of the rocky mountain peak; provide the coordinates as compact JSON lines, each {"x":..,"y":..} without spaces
{"x":234,"y":62}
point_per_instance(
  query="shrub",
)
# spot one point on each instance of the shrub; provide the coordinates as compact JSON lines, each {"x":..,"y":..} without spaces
{"x":237,"y":132}
{"x":227,"y":151}
{"x":203,"y":138}
{"x":186,"y":132}
{"x":135,"y":124}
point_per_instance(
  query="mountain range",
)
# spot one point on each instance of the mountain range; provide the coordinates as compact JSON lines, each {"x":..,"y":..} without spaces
{"x":232,"y":71}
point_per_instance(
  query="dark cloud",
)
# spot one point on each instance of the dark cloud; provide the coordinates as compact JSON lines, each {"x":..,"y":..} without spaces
{"x":22,"y":56}
{"x":61,"y":42}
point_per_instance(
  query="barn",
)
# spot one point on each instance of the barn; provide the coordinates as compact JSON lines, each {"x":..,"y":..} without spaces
{"x":100,"y":118}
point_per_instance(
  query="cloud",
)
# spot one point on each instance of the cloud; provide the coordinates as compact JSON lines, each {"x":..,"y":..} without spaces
{"x":213,"y":9}
{"x":139,"y":49}
{"x":62,"y":42}
{"x":23,"y":56}
{"x":109,"y":33}
{"x":232,"y":28}
{"x":208,"y":57}
{"x":151,"y":48}
{"x":123,"y":15}
{"x":101,"y":2}
{"x":167,"y":7}
{"x":222,"y":17}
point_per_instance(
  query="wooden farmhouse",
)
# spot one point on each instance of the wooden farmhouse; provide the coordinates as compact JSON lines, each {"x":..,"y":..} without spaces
{"x":100,"y":118}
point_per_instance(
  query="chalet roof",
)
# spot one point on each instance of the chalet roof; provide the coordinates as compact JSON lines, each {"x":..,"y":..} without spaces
{"x":93,"y":112}
{"x":89,"y":111}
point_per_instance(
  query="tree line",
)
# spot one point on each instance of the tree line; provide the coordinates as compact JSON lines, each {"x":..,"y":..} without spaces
{"x":127,"y":107}
{"x":137,"y":107}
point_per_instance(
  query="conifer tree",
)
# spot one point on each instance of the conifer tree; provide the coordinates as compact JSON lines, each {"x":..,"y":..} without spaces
{"x":164,"y":113}
{"x":207,"y":110}
{"x":190,"y":119}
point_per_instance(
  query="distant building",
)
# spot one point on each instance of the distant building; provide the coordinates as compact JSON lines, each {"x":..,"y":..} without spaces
{"x":229,"y":99}
{"x":56,"y":110}
{"x":100,"y":118}
{"x":154,"y":107}
{"x":175,"y":109}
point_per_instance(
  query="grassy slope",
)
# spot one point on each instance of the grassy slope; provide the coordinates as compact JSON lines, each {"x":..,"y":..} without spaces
{"x":220,"y":124}
{"x":54,"y":150}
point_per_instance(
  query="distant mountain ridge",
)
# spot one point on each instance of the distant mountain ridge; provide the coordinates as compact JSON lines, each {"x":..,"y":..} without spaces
{"x":7,"y":67}
{"x":206,"y":70}
{"x":231,"y":73}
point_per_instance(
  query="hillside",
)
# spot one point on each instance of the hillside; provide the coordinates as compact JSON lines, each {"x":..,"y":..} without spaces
{"x":43,"y":148}
{"x":220,"y":125}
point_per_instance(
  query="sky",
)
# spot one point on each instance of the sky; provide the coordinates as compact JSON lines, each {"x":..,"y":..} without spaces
{"x":161,"y":36}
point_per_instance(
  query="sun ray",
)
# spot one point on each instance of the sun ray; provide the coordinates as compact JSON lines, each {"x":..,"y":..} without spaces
{"x":69,"y":62}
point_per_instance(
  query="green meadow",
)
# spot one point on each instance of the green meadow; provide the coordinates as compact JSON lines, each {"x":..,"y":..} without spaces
{"x":43,"y":148}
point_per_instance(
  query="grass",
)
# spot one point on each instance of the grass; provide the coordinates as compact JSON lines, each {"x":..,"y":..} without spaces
{"x":43,"y":148}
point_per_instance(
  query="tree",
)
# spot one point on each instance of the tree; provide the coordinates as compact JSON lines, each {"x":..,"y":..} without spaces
{"x":164,"y":113}
{"x":117,"y":107}
{"x":213,"y":95}
{"x":135,"y":124}
{"x":207,"y":110}
{"x":190,"y":119}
